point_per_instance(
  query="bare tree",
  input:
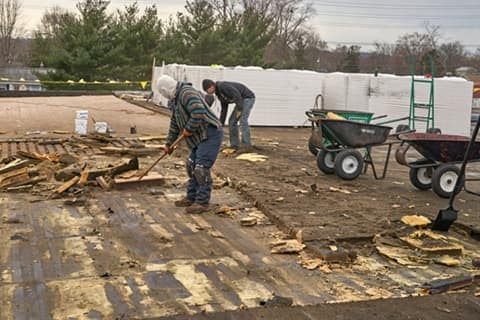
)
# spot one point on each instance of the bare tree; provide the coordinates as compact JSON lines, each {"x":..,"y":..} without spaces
{"x":229,"y":9}
{"x":383,"y":48}
{"x":52,"y":20}
{"x":9,"y":28}
{"x":226,"y":9}
{"x":453,"y":54}
{"x":433,"y":35}
{"x":474,"y":59}
{"x":288,"y":16}
{"x":380,"y":59}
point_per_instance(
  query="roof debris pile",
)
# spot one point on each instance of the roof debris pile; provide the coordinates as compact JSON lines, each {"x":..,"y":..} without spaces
{"x":415,"y":245}
{"x":77,"y":162}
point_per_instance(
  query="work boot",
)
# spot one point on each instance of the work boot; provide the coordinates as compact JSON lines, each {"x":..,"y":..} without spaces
{"x":246,"y":149}
{"x":184,"y":202}
{"x":197,"y":208}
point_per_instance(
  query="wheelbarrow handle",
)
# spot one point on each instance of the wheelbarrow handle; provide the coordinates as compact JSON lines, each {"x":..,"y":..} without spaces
{"x":312,"y":117}
{"x":173,"y":146}
{"x":458,"y":184}
{"x":401,"y":133}
{"x":316,"y":101}
{"x":380,"y":117}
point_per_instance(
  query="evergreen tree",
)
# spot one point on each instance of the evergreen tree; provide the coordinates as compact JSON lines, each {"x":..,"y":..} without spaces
{"x":95,"y":45}
{"x":135,"y":39}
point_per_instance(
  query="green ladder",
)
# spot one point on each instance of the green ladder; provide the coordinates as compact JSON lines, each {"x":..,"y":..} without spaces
{"x":427,"y":114}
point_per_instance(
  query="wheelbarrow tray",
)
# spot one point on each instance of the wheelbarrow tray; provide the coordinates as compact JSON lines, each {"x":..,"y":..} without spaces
{"x":354,"y":134}
{"x":351,"y":115}
{"x":442,"y":147}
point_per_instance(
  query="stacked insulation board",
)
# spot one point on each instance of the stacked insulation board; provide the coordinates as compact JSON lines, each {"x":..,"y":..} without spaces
{"x":283,"y":96}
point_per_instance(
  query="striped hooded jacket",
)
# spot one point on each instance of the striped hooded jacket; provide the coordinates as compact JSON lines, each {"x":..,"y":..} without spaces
{"x":190,"y":112}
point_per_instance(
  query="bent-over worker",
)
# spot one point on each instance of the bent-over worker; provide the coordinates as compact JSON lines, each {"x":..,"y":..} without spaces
{"x":192,"y":118}
{"x":244,"y":99}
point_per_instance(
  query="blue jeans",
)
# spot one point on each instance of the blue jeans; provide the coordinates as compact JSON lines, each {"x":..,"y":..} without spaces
{"x":242,"y":117}
{"x":203,"y":157}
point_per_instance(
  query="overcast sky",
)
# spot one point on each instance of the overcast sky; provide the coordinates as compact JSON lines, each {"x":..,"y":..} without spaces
{"x":342,"y":21}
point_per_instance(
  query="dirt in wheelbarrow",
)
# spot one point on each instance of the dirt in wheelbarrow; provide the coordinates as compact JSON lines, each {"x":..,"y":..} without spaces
{"x":289,"y":186}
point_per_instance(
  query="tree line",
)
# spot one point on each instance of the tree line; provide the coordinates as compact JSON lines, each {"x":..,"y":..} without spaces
{"x":91,"y":43}
{"x":94,"y":45}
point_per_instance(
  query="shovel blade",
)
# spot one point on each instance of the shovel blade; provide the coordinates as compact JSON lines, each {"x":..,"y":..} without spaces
{"x":445,"y":218}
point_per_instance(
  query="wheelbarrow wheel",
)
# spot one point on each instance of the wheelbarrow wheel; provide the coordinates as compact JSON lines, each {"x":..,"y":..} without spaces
{"x":421,"y":178}
{"x":444,"y":179}
{"x":312,"y":147}
{"x":402,"y":128}
{"x":434,"y":131}
{"x":348,"y":164}
{"x":326,"y":161}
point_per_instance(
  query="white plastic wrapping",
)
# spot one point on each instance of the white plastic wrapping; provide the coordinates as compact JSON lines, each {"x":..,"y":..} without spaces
{"x":453,"y":102}
{"x":358,"y":92}
{"x":282,"y":96}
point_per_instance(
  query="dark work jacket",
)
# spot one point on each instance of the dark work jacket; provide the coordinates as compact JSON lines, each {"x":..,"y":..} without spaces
{"x":231,"y":92}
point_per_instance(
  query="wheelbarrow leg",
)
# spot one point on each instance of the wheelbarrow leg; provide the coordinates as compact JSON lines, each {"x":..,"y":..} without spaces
{"x":369,"y":161}
{"x":387,"y":161}
{"x":367,"y":158}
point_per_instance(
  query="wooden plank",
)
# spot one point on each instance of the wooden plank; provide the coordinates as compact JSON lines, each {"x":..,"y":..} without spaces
{"x":132,"y":151}
{"x":13,"y":150}
{"x":23,"y":146}
{"x":105,"y":138}
{"x":4,"y":150}
{"x":13,"y":173}
{"x":451,"y":249}
{"x":20,"y":180}
{"x":151,"y":180}
{"x":116,"y":144}
{"x":123,"y":166}
{"x":51,"y":141}
{"x":432,"y":243}
{"x":14,"y":178}
{"x":49,"y":148}
{"x":67,"y":185}
{"x":124,"y":143}
{"x":30,"y":146}
{"x":39,"y":156}
{"x":102,"y":183}
{"x":444,"y":285}
{"x":150,"y":138}
{"x":83,"y":177}
{"x":14,"y":165}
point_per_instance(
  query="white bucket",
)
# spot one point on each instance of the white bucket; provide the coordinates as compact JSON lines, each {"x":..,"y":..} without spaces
{"x":81,"y":126}
{"x":101,"y":127}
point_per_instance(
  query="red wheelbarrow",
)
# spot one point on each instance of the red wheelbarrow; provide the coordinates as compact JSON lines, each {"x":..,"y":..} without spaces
{"x":441,"y":154}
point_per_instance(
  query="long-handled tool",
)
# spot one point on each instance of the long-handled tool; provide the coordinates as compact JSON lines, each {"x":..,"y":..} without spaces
{"x":446,"y":217}
{"x":173,"y":146}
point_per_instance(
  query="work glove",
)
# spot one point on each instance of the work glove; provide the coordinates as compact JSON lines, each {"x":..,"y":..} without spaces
{"x":238,"y":114}
{"x":167,"y":149}
{"x":186,"y":133}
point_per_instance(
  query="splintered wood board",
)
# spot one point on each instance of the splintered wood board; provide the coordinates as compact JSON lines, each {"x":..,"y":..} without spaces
{"x":150,"y":180}
{"x":432,"y":243}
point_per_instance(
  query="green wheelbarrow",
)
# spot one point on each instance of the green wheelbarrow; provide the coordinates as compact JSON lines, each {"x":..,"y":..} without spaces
{"x":315,"y":143}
